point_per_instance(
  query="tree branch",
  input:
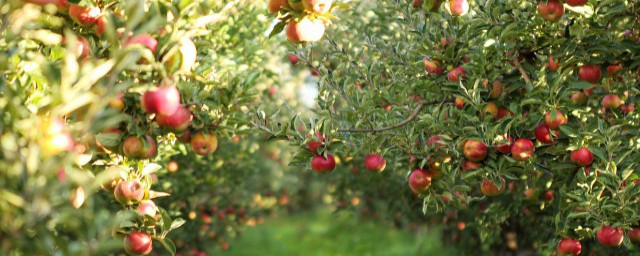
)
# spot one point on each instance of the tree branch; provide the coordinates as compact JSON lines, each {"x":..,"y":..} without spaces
{"x":524,"y":74}
{"x":411,"y":117}
{"x":351,"y":62}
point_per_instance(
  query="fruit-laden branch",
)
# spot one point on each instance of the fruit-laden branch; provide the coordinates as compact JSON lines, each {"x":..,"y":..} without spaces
{"x":516,"y":64}
{"x":411,"y":117}
{"x":352,"y":63}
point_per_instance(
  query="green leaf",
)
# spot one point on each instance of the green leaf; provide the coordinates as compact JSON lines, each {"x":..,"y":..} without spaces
{"x":277,"y":28}
{"x":177,"y":223}
{"x":168,"y":245}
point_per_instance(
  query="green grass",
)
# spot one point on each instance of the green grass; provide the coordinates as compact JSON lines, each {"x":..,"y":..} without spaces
{"x":323,"y":233}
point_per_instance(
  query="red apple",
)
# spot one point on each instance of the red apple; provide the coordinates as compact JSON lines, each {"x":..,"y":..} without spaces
{"x":435,"y":140}
{"x":317,"y":6}
{"x":84,"y":15}
{"x":305,"y":31}
{"x":609,"y":236}
{"x":551,"y":11}
{"x":417,"y":3}
{"x":276,"y":5}
{"x":614,"y":68}
{"x":293,"y":59}
{"x":634,"y":235}
{"x":496,"y":89}
{"x":611,"y":101}
{"x":531,"y":194}
{"x":548,"y":195}
{"x":569,"y":246}
{"x":475,"y":150}
{"x":522,"y":149}
{"x":101,"y":26}
{"x":490,"y":188}
{"x":375,"y":163}
{"x":579,"y":98}
{"x":627,"y":108}
{"x":204,"y":143}
{"x":145,"y":40}
{"x":553,"y":65}
{"x":554,"y":121}
{"x":590,"y":73}
{"x":543,"y":134}
{"x":172,"y":166}
{"x":315,"y":145}
{"x":419,"y":180}
{"x":503,"y":112}
{"x":138,"y":243}
{"x":129,"y":192}
{"x":147,"y":207}
{"x":505,"y":143}
{"x":470,"y":165}
{"x":459,"y":103}
{"x":576,"y":2}
{"x":179,"y":121}
{"x":432,"y":66}
{"x":582,"y":157}
{"x":456,"y":74}
{"x":139,"y":148}
{"x":491,"y":109}
{"x":321,"y":165}
{"x":457,"y":7}
{"x":163,"y":101}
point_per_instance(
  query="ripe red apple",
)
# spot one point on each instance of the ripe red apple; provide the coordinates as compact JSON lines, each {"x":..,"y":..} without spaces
{"x":147,"y":207}
{"x":579,"y":98}
{"x":315,"y":145}
{"x":179,"y":121}
{"x":138,"y":243}
{"x":375,"y":163}
{"x":627,"y":108}
{"x":470,"y":165}
{"x":305,"y":31}
{"x":432,"y":66}
{"x":276,"y":5}
{"x":163,"y":101}
{"x":145,"y":40}
{"x":569,"y":246}
{"x":456,"y":74}
{"x":419,"y":180}
{"x":522,"y":149}
{"x":317,"y":6}
{"x":491,"y":109}
{"x":634,"y":235}
{"x":553,"y":65}
{"x":490,"y":188}
{"x":590,"y":73}
{"x":139,"y":148}
{"x":531,"y":194}
{"x":543,"y":134}
{"x":554,"y":121}
{"x":611,"y":101}
{"x":503,"y":112}
{"x":457,"y":7}
{"x":609,"y":236}
{"x":84,"y":15}
{"x":551,"y":11}
{"x":582,"y":157}
{"x":459,"y":103}
{"x":614,"y":68}
{"x":417,"y":3}
{"x":548,"y":195}
{"x":576,"y":2}
{"x":437,"y":141}
{"x":293,"y":59}
{"x":204,"y":143}
{"x":505,"y":143}
{"x":101,"y":26}
{"x":496,"y":89}
{"x":475,"y":150}
{"x":321,"y":165}
{"x":129,"y":192}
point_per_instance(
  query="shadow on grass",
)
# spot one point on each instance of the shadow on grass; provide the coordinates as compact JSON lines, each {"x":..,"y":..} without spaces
{"x":323,"y":233}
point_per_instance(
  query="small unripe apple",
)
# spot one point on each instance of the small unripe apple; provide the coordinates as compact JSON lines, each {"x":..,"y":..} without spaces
{"x":84,"y":15}
{"x":457,"y":7}
{"x":475,"y":150}
{"x":419,"y":180}
{"x":306,"y":30}
{"x":504,"y":144}
{"x":276,"y":5}
{"x":317,"y":6}
{"x":490,"y":188}
{"x":147,"y":207}
{"x":554,"y":121}
{"x":543,"y":134}
{"x":582,"y":157}
{"x":576,"y":2}
{"x":551,"y":11}
{"x":375,"y":163}
{"x":491,"y":109}
{"x":129,"y":192}
{"x":172,"y":166}
{"x":138,"y":243}
{"x":179,"y":121}
{"x":579,"y":98}
{"x":204,"y":143}
{"x":522,"y":149}
{"x":164,"y":100}
{"x":590,"y":73}
{"x":609,"y":236}
{"x":530,"y":194}
{"x":456,"y":74}
{"x":117,"y":103}
{"x":321,"y":165}
{"x":553,"y":65}
{"x":611,"y":101}
{"x":569,"y":246}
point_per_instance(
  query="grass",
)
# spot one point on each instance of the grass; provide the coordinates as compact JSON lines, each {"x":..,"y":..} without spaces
{"x":322,"y":233}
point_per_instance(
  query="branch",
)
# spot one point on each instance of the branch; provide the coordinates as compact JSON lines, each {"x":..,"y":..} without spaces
{"x":352,"y":63}
{"x":516,"y":64}
{"x":411,"y":117}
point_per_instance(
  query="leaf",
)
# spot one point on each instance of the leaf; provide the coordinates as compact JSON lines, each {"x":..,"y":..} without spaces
{"x":277,"y":28}
{"x":168,"y":245}
{"x":177,"y":223}
{"x":157,"y":194}
{"x":570,"y":132}
{"x":580,"y":85}
{"x":599,"y":153}
{"x":150,"y":168}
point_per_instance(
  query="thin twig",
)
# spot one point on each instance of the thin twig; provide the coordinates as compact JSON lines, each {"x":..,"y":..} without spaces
{"x":411,"y":117}
{"x":516,"y":64}
{"x":352,"y":63}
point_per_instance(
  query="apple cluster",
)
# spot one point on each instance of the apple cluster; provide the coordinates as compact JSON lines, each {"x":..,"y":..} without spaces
{"x":305,"y":20}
